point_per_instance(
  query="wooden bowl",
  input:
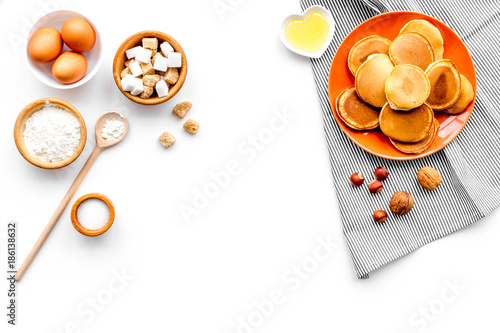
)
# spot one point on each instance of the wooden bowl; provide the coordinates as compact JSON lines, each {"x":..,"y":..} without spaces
{"x":97,"y":232}
{"x":136,"y":40}
{"x":21,"y":124}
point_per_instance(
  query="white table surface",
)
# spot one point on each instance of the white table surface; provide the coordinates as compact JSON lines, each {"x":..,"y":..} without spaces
{"x":206,"y":275}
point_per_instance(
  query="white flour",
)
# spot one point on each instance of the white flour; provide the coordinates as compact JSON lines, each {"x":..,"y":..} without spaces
{"x":52,"y":134}
{"x":113,"y":129}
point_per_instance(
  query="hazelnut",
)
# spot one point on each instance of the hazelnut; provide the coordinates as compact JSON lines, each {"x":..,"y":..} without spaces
{"x":375,"y":186}
{"x":401,"y":203}
{"x":381,"y":173}
{"x":357,"y":179}
{"x":380,"y":216}
{"x":429,"y":178}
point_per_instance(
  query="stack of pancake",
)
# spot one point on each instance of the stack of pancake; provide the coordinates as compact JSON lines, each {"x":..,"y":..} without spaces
{"x":399,"y":85}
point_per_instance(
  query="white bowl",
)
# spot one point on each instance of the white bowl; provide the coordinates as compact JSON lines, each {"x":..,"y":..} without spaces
{"x":302,"y":16}
{"x":43,"y":72}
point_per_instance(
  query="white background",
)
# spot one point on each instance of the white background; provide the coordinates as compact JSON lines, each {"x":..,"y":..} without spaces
{"x":205,"y":275}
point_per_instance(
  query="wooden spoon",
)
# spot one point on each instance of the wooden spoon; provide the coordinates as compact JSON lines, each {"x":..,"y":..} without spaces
{"x":101,"y":144}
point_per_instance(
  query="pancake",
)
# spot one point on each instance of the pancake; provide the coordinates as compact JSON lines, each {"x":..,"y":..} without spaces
{"x":430,"y":32}
{"x":412,"y":48}
{"x":418,"y":147}
{"x":445,"y":84}
{"x":407,"y":87}
{"x":466,"y":96}
{"x":354,"y":112}
{"x":370,"y":79}
{"x":364,"y":48}
{"x":406,"y":126}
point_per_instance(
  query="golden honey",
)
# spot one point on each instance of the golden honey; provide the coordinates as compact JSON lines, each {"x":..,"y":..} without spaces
{"x":309,"y":34}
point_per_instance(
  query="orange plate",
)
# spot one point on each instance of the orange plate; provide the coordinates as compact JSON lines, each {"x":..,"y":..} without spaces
{"x":388,"y":25}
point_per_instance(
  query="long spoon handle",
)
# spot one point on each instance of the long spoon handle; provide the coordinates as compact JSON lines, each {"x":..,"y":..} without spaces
{"x":58,"y":213}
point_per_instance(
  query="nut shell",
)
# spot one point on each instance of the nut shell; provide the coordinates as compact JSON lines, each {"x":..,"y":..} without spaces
{"x":357,"y":179}
{"x":401,"y":203}
{"x":381,"y":173}
{"x":375,"y":186}
{"x":429,"y":178}
{"x":380,"y":216}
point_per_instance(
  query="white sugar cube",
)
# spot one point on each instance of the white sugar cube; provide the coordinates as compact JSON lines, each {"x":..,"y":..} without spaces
{"x":166,"y":48}
{"x":127,"y":82}
{"x":137,"y":89}
{"x":161,"y":88}
{"x":135,"y":68}
{"x":131,"y":53}
{"x":174,"y":59}
{"x":143,"y":55}
{"x":136,"y":81}
{"x":160,"y":63}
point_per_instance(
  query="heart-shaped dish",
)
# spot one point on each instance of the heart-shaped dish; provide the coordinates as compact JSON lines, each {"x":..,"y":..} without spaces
{"x":312,"y":9}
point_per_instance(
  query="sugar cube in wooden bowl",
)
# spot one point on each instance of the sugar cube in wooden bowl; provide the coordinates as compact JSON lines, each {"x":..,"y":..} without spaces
{"x":150,"y":67}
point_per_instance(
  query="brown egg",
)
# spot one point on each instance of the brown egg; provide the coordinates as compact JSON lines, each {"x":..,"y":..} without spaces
{"x":45,"y":45}
{"x":78,"y":34}
{"x":69,"y":67}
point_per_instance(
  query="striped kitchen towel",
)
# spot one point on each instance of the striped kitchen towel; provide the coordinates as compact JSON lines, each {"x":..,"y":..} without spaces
{"x":469,"y":165}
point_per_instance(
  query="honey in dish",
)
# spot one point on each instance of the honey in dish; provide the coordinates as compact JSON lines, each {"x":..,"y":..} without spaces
{"x":309,"y":34}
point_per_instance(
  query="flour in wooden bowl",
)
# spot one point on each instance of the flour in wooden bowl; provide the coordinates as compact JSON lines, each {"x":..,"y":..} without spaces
{"x":52,"y":134}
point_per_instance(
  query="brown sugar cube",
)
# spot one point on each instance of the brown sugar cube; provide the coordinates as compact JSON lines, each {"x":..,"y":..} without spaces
{"x":124,"y":72}
{"x":150,"y":80}
{"x":166,"y":139}
{"x":191,"y":126}
{"x":182,"y":108}
{"x":128,"y":62}
{"x":147,"y":92}
{"x":147,"y":69}
{"x":172,"y":75}
{"x":150,"y":43}
{"x":153,"y":52}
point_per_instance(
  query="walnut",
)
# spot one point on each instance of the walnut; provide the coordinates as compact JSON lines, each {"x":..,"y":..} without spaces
{"x":401,"y":203}
{"x":429,"y":178}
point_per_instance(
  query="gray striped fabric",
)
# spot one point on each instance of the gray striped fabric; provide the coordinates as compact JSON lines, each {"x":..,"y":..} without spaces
{"x":469,"y":165}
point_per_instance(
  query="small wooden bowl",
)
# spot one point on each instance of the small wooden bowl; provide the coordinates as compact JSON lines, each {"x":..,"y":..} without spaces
{"x":21,"y":125}
{"x":136,"y":40}
{"x":87,"y":232}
